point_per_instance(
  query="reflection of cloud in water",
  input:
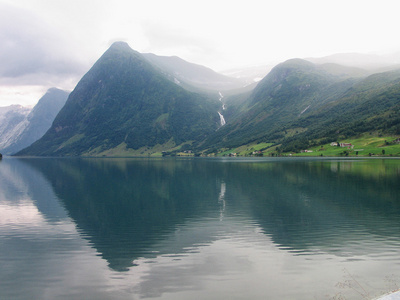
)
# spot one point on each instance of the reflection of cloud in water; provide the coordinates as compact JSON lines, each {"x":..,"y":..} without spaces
{"x":22,"y":214}
{"x":211,"y":263}
{"x":218,"y":262}
{"x":245,"y":263}
{"x":41,"y":251}
{"x":22,"y":183}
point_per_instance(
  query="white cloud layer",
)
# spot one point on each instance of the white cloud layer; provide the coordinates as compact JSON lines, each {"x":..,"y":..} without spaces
{"x":53,"y":43}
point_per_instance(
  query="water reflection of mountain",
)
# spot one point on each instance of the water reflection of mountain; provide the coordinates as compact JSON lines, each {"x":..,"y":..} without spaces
{"x":127,"y":208}
{"x":324,"y":204}
{"x":21,"y":183}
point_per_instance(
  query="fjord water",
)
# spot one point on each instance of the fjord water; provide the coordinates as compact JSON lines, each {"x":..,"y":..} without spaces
{"x":197,"y":228}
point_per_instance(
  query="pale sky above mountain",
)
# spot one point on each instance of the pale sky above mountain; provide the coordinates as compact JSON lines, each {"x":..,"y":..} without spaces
{"x":47,"y":43}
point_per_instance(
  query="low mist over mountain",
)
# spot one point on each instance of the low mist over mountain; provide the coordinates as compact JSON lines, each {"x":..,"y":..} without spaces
{"x":36,"y":123}
{"x":250,"y":74}
{"x":122,"y":104}
{"x":188,"y":74}
{"x":370,"y":62}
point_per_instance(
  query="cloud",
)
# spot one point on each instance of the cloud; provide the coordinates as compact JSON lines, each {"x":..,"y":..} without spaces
{"x":32,"y":52}
{"x":53,"y":43}
{"x":172,"y":40}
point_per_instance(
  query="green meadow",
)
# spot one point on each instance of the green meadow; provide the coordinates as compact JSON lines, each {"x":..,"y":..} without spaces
{"x":365,"y":145}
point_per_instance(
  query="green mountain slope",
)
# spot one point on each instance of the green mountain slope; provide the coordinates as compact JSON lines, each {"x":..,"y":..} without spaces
{"x":299,"y":104}
{"x":290,"y":90}
{"x":124,"y":103}
{"x":371,"y":105}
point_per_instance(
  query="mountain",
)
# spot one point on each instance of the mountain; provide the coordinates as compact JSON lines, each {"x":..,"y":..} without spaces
{"x":343,"y":71}
{"x":37,"y":122}
{"x":369,"y":62}
{"x":193,"y":76}
{"x":122,"y":105}
{"x":132,"y":104}
{"x":11,"y":123}
{"x":291,"y":89}
{"x":369,"y":105}
{"x":300,"y":104}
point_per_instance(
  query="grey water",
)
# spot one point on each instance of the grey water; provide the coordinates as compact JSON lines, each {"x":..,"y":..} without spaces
{"x":199,"y":228}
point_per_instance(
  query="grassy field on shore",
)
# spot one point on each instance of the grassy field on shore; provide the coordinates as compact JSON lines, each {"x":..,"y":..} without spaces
{"x":360,"y":146}
{"x":365,"y":145}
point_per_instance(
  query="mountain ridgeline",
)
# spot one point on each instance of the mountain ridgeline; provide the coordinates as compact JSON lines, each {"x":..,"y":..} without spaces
{"x":124,"y":104}
{"x":39,"y":120}
{"x":21,"y":128}
{"x":134,"y":104}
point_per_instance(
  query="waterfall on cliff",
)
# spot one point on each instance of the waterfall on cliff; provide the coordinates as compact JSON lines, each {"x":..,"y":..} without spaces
{"x":221,"y":117}
{"x":223,"y":108}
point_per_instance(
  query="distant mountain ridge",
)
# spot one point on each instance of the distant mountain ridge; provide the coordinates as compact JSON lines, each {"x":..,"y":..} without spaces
{"x":11,"y":119}
{"x":35,"y":123}
{"x":39,"y":120}
{"x":370,"y":62}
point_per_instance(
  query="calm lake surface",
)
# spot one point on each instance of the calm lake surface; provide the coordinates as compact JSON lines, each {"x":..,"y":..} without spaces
{"x":199,"y":228}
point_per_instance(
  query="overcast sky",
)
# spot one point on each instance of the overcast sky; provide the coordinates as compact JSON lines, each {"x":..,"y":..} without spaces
{"x":45,"y":43}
